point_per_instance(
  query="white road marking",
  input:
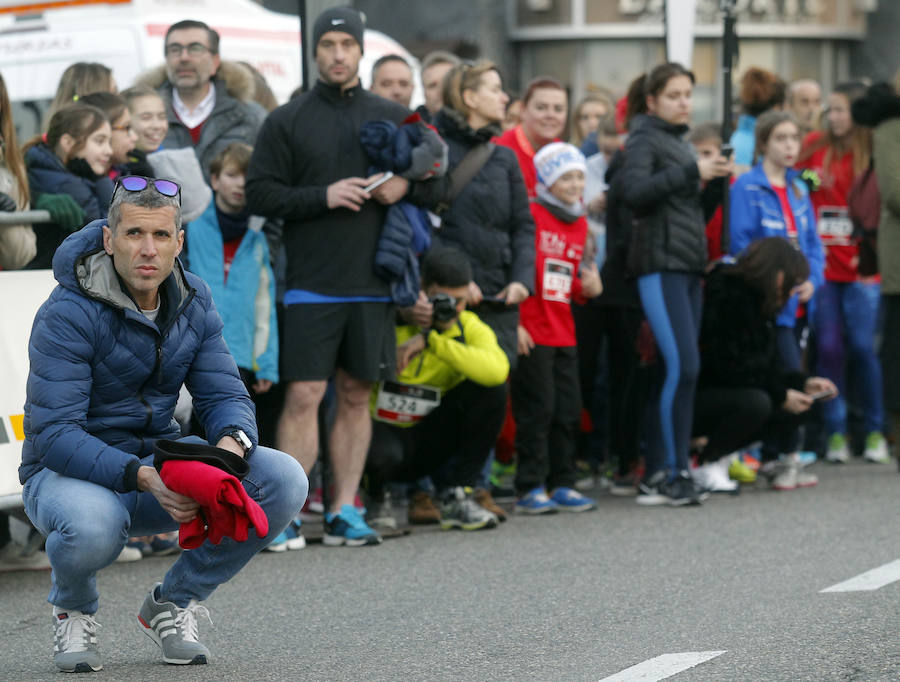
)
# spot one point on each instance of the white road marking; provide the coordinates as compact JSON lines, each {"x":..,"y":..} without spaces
{"x":661,"y":667}
{"x":870,"y":580}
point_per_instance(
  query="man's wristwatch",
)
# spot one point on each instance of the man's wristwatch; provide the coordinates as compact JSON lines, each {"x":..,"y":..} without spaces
{"x":242,"y":440}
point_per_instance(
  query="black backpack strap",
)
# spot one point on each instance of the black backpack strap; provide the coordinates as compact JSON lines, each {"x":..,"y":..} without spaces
{"x":462,"y":175}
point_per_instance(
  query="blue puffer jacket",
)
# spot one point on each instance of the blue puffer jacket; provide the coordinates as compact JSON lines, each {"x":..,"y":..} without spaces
{"x":104,"y":378}
{"x":48,"y":175}
{"x":246,"y":300}
{"x":756,"y":213}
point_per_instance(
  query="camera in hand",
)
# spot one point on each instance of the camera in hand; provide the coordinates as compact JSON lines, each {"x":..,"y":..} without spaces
{"x":444,"y":307}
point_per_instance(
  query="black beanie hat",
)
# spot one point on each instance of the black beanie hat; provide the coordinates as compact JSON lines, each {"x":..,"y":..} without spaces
{"x":344,"y":19}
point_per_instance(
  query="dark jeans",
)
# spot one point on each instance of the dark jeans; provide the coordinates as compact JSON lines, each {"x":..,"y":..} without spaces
{"x":464,"y":428}
{"x":546,"y":403}
{"x":732,"y":418}
{"x":627,"y":382}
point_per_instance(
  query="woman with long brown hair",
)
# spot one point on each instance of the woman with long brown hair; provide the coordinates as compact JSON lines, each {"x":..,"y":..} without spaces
{"x":661,"y":186}
{"x":17,"y":242}
{"x":845,"y":315}
{"x":742,"y":390}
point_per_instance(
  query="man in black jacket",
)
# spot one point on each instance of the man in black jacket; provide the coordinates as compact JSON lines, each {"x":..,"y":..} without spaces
{"x":310,"y":169}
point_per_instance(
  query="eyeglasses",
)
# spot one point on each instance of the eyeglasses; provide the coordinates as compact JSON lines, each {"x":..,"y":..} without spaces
{"x":136,"y":183}
{"x":124,"y":129}
{"x":194,"y":49}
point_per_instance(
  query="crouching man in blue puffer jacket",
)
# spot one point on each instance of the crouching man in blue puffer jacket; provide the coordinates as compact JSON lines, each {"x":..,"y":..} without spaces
{"x":109,"y":350}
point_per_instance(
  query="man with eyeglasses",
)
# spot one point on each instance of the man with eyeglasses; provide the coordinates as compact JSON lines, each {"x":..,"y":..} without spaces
{"x":209,"y":104}
{"x":109,"y":350}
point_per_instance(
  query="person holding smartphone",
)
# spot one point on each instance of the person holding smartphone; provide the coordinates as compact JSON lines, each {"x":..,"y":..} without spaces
{"x":743,"y":391}
{"x":661,"y":180}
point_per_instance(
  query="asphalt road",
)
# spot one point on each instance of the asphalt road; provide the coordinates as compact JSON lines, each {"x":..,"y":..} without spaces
{"x":574,"y":597}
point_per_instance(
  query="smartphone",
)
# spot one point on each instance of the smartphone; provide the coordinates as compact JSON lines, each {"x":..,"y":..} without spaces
{"x":379,"y":182}
{"x":821,"y":395}
{"x":726,"y":150}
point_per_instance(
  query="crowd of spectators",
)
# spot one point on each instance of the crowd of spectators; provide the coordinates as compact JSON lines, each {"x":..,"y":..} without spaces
{"x":573,"y":314}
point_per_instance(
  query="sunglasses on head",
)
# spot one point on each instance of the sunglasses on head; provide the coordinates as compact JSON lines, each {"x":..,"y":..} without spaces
{"x":136,"y":183}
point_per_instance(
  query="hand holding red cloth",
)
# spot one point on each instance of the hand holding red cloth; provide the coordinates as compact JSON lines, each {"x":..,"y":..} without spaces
{"x":226,"y":507}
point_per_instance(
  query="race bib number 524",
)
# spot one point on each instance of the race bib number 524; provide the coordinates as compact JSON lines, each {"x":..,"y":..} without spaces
{"x":405,"y":403}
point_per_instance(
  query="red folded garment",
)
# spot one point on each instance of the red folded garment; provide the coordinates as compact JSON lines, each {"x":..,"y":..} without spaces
{"x":226,"y":508}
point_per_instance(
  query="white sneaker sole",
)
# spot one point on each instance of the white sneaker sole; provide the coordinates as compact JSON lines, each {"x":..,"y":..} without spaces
{"x":199,"y":659}
{"x":576,"y":508}
{"x":340,"y":540}
{"x":479,"y":525}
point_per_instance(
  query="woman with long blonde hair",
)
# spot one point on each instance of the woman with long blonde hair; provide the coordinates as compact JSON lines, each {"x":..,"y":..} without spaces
{"x":17,"y":242}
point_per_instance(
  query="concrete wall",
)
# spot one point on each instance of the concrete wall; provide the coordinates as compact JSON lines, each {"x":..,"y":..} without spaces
{"x":878,"y":57}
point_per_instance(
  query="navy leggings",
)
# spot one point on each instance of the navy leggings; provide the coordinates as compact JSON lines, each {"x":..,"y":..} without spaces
{"x":673,"y":304}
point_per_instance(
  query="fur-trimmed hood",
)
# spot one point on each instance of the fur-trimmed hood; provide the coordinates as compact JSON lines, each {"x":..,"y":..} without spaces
{"x":238,"y":79}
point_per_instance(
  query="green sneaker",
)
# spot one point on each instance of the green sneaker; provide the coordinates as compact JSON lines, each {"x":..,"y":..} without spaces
{"x":876,"y":449}
{"x":502,"y":479}
{"x":837,"y":452}
{"x":741,"y":471}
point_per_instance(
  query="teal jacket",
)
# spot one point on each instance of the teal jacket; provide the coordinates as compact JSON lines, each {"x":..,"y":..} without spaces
{"x":246,"y":300}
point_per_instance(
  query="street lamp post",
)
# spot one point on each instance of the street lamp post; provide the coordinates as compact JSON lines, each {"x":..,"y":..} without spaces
{"x":729,"y":56}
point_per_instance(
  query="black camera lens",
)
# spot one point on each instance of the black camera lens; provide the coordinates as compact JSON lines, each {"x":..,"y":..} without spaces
{"x":444,"y":307}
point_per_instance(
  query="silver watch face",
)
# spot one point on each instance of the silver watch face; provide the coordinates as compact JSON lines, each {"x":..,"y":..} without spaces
{"x":242,"y":438}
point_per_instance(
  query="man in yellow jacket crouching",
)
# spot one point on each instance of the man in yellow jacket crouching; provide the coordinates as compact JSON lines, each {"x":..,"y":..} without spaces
{"x":443,"y":412}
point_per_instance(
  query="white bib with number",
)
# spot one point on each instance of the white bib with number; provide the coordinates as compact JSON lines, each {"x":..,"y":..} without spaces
{"x":405,"y":403}
{"x":835,"y":225}
{"x":558,"y":280}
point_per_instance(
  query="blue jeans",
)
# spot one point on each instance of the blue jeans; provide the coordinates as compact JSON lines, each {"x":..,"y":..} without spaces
{"x":845,"y":324}
{"x":86,"y":526}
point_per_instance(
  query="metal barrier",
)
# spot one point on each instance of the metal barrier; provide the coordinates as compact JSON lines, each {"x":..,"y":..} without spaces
{"x":24,"y":217}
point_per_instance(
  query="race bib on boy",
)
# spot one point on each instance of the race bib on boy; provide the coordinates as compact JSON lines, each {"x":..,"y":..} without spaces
{"x":558,"y":280}
{"x":835,"y":226}
{"x":405,"y":403}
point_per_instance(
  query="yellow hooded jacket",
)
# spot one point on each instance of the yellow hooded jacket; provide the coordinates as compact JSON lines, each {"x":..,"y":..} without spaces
{"x":467,"y":350}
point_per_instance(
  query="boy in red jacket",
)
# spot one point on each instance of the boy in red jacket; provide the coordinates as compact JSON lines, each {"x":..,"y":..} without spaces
{"x":546,"y":398}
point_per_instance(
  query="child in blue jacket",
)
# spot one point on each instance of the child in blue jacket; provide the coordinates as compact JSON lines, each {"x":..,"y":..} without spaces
{"x":233,"y":258}
{"x":770,"y":200}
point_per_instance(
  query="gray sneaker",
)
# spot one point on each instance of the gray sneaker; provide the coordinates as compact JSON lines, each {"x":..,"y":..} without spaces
{"x":791,"y":475}
{"x":174,"y":629}
{"x":75,"y":641}
{"x":460,"y":510}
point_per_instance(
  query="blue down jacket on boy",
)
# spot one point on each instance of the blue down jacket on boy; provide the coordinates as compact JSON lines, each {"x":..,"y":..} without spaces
{"x":104,"y":379}
{"x":246,"y":300}
{"x":756,"y":213}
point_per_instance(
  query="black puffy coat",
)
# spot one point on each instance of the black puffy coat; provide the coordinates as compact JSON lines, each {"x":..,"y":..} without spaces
{"x":737,"y":339}
{"x":662,"y":186}
{"x":618,"y":289}
{"x":489,"y":220}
